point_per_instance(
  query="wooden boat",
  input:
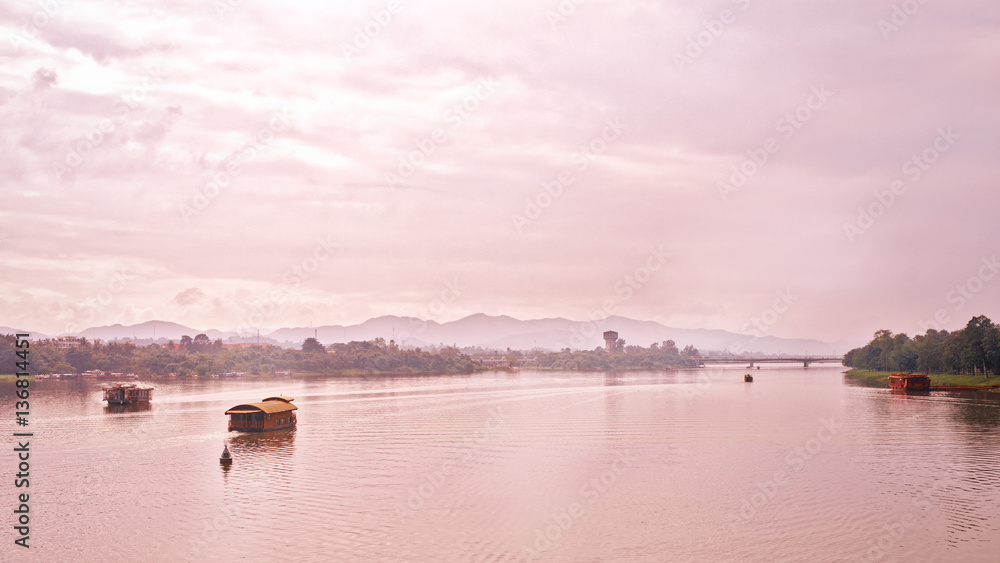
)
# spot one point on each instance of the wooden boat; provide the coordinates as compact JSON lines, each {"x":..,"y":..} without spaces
{"x":273,"y":413}
{"x":910,"y":381}
{"x":225,"y":458}
{"x":748,"y":378}
{"x":127,"y":393}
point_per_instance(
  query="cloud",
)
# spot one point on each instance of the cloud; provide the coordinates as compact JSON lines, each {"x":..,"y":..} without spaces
{"x":189,"y":296}
{"x":115,"y":117}
{"x":45,"y":78}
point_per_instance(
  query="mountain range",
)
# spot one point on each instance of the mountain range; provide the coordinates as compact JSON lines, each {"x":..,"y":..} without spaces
{"x":489,"y":332}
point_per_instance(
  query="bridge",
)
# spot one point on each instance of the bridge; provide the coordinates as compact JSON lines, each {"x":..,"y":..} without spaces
{"x":804,"y":360}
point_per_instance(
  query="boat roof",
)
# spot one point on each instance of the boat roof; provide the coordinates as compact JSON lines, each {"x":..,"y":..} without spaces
{"x":284,"y":398}
{"x":269,"y":407}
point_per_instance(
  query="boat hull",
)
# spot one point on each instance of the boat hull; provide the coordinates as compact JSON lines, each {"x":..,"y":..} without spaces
{"x":244,"y":428}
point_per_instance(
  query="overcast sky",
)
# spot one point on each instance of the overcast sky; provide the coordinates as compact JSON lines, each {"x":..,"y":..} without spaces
{"x":797,"y":169}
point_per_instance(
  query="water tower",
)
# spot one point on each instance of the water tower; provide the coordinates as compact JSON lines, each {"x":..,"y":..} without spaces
{"x":610,"y":340}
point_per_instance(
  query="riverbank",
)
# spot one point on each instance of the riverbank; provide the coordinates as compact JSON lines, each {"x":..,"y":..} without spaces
{"x":880,"y":378}
{"x":12,"y":377}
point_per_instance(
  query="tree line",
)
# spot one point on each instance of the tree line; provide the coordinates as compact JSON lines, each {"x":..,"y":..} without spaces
{"x":973,"y":350}
{"x":627,"y":357}
{"x":201,"y":356}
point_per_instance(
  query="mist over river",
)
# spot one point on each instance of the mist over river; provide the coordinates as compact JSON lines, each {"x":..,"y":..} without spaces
{"x":691,"y":465}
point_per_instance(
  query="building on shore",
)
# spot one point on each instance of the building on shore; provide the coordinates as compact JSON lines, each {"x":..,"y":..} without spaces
{"x":611,"y":341}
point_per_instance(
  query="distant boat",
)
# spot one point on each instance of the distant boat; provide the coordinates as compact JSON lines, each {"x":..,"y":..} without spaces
{"x":748,"y":378}
{"x":225,"y":458}
{"x":127,"y":393}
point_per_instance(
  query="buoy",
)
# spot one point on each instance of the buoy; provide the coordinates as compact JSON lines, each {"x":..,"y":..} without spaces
{"x":225,"y":459}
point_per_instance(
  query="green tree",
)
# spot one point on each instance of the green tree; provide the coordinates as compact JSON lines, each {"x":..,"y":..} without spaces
{"x":313,"y":346}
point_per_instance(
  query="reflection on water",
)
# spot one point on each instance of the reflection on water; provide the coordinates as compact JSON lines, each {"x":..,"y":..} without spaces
{"x":686,"y":465}
{"x":131,"y":407}
{"x":252,"y":447}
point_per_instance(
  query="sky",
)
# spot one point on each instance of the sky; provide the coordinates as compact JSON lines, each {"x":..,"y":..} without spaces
{"x":815,"y":170}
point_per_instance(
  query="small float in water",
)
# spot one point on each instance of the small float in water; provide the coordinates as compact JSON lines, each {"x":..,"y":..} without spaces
{"x":748,"y":378}
{"x":225,"y":458}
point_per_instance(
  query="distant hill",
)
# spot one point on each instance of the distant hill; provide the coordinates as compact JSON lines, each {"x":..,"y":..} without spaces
{"x":150,"y":330}
{"x":499,"y":332}
{"x":9,"y":330}
{"x":552,"y":334}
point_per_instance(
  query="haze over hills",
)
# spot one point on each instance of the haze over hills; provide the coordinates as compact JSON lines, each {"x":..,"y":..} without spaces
{"x":494,"y":332}
{"x":9,"y":330}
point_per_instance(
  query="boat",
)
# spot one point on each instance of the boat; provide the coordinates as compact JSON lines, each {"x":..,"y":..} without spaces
{"x":748,"y":378}
{"x":273,"y":413}
{"x":225,"y":458}
{"x":127,"y":394}
{"x":910,"y":381}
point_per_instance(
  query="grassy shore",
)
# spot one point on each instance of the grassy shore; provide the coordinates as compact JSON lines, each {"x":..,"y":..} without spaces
{"x":879,"y":378}
{"x":12,"y":377}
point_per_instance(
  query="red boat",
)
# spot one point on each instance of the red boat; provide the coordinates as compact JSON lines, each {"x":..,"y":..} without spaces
{"x":910,"y":381}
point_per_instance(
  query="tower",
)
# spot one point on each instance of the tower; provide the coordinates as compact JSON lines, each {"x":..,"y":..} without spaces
{"x":610,"y":339}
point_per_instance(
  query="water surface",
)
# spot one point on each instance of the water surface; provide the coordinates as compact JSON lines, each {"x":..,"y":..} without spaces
{"x":655,"y":466}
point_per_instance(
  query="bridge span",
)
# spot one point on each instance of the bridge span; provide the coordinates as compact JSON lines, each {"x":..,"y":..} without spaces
{"x":804,"y":360}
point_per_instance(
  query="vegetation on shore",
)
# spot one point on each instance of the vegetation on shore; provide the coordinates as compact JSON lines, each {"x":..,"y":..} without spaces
{"x":203,"y":357}
{"x":10,"y":377}
{"x":658,"y":356}
{"x":973,"y":351}
{"x":200,"y":356}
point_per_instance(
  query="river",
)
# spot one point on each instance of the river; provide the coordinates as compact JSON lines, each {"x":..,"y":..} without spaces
{"x":691,"y":465}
